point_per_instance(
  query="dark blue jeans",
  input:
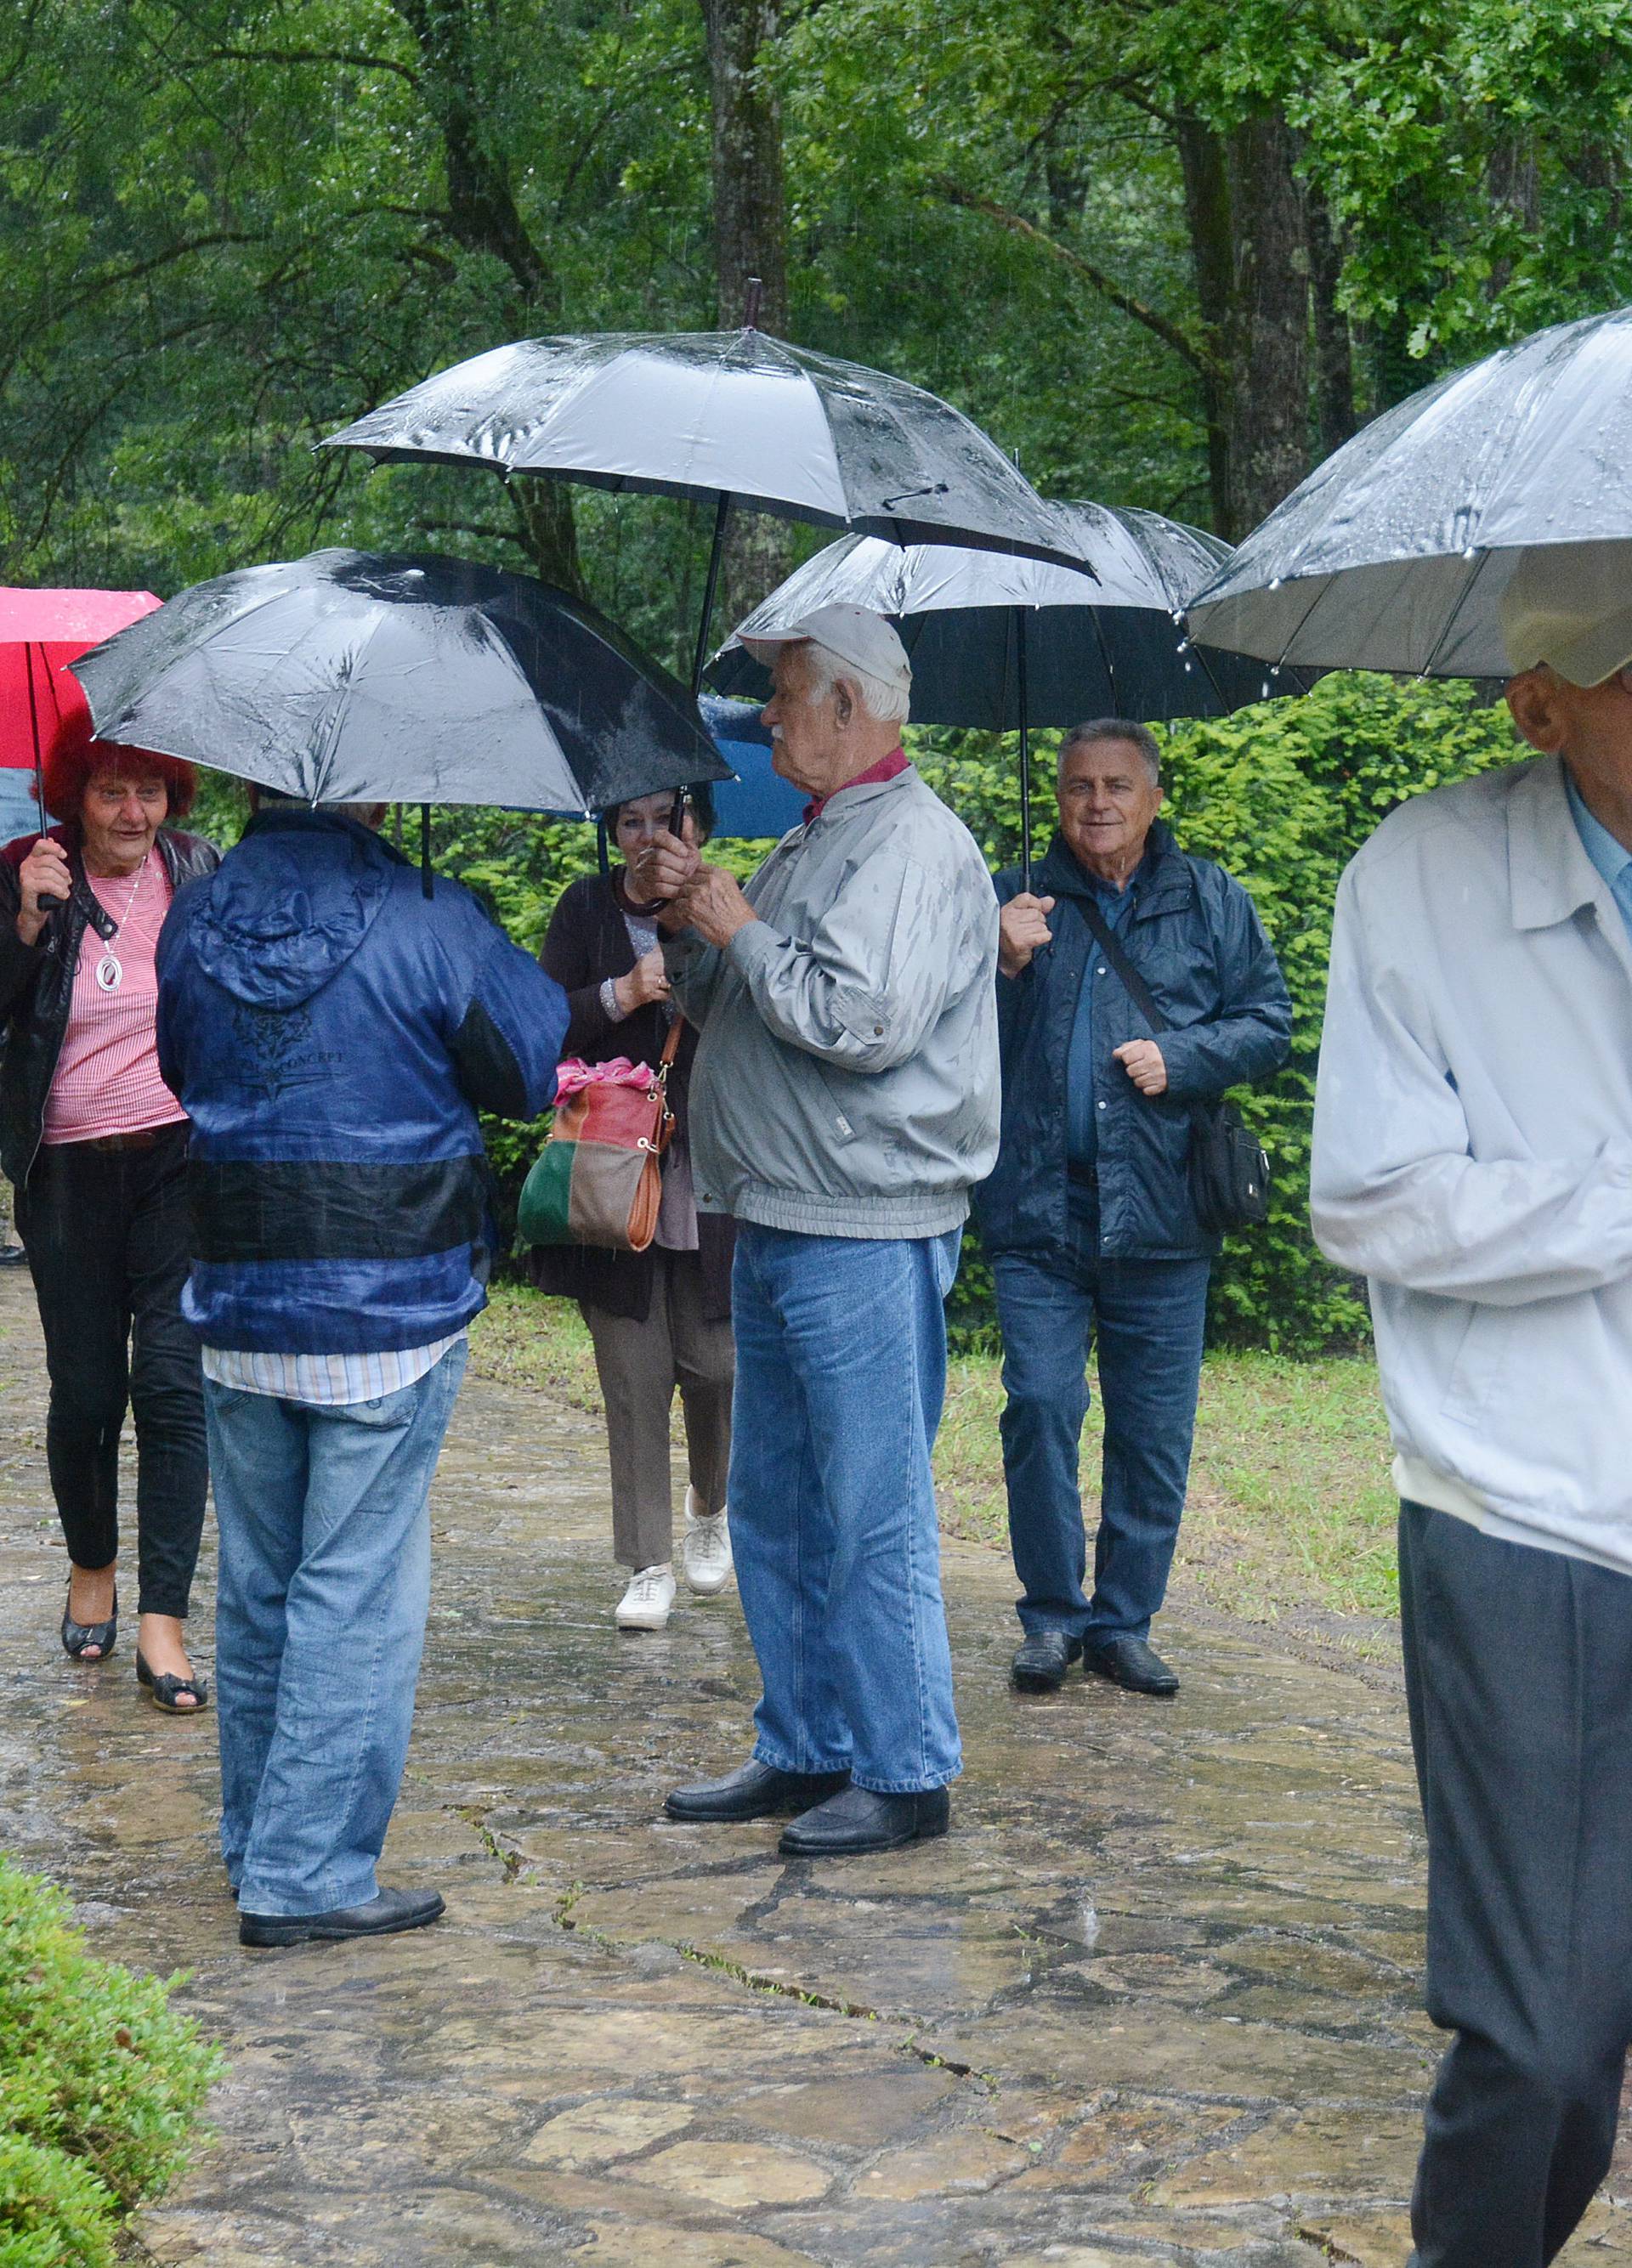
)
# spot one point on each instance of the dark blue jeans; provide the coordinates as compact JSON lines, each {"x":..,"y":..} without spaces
{"x":1148,"y":1317}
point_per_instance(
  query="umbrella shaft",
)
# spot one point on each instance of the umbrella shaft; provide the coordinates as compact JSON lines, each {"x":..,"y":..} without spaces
{"x":1026,"y":750}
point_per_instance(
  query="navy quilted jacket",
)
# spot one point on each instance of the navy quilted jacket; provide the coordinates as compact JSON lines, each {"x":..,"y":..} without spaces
{"x":330,"y":1032}
{"x":1194,"y":936}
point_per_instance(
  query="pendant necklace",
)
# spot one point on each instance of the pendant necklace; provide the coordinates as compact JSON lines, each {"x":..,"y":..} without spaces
{"x":110,"y":973}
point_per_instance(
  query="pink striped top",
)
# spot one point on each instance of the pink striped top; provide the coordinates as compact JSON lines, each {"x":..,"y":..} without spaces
{"x":106,"y":1079}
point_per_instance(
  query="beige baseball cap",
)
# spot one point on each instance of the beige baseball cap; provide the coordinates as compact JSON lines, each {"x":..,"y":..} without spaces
{"x":1570,"y":605}
{"x":855,"y":634}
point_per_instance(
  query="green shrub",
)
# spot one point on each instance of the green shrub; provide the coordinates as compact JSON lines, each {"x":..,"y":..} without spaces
{"x":99,"y":2085}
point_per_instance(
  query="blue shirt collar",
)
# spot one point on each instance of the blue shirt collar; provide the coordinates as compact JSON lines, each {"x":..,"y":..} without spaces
{"x":1610,"y":857}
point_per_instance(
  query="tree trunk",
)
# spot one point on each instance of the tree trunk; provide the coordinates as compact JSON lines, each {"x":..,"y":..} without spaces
{"x":1207,"y":210}
{"x":484,"y":216}
{"x":1269,"y":327}
{"x":751,"y":242}
{"x":1336,"y":419}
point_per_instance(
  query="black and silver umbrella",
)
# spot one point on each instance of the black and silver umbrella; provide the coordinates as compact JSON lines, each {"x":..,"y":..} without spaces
{"x":736,"y":416}
{"x":1002,"y":645}
{"x":1394,"y":553}
{"x":348,"y":678}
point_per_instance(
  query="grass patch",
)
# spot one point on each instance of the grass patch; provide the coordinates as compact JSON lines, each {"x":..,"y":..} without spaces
{"x":1291,"y":1504}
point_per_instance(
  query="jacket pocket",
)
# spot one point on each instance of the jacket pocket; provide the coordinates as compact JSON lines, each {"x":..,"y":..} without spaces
{"x":1483,"y":1358}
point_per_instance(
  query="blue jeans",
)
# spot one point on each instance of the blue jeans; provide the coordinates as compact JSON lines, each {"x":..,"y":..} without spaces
{"x":324,"y":1586}
{"x":1148,"y":1317}
{"x":840,"y":1375}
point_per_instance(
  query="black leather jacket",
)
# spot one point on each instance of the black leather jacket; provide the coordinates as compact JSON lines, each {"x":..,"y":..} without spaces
{"x":37,"y":982}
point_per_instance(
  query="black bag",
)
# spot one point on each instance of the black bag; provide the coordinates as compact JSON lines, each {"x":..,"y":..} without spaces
{"x":1229,"y":1166}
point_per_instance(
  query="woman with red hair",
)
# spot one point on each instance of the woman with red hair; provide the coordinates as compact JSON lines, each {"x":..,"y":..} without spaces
{"x":95,"y":1145}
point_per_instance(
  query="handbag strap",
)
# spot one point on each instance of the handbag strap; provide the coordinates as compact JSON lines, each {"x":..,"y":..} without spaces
{"x":1138,"y":991}
{"x":671,"y":1045}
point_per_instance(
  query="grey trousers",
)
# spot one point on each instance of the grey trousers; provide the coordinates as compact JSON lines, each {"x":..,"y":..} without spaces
{"x":640,"y":1366}
{"x":1518,"y":1677}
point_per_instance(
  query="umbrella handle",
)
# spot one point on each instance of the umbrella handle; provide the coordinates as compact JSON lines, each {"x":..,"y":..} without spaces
{"x":33,"y":727}
{"x":427,"y":880}
{"x":1025,"y":751}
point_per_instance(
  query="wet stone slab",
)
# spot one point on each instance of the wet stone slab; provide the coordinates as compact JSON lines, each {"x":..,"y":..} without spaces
{"x":1153,"y":2003}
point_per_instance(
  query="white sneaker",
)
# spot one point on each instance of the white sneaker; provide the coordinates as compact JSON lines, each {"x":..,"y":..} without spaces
{"x":705,"y":1554}
{"x":645,"y":1605}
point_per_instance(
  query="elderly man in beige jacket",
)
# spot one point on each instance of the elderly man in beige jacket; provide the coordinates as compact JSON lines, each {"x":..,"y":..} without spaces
{"x":844,"y":1101}
{"x":1474,"y":1157}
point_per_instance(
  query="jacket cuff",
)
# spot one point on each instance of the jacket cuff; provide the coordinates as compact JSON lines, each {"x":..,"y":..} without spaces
{"x":753,"y":946}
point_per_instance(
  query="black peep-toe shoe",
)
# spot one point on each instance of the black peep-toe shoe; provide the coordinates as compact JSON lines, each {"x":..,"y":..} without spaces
{"x":164,"y":1691}
{"x":78,"y":1635}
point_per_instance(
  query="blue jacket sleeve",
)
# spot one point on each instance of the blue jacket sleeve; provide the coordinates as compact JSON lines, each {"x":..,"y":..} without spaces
{"x":508,"y":1040}
{"x":1252,"y":1031}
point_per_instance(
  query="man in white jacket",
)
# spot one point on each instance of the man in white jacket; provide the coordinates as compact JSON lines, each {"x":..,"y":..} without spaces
{"x":1474,"y":1157}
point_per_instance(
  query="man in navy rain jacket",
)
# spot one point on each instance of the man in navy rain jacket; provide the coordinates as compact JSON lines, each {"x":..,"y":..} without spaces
{"x":1087,"y":1218}
{"x":331,"y":1034}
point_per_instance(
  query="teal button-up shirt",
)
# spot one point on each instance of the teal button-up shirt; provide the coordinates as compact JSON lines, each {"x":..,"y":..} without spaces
{"x":1610,"y":855}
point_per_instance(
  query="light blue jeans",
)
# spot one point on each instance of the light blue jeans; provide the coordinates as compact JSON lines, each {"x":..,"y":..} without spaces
{"x":840,"y":1375}
{"x":324,"y":1586}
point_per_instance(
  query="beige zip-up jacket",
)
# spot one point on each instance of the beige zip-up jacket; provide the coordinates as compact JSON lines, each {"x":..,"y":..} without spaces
{"x":845,"y":1082}
{"x":1473,"y":1156}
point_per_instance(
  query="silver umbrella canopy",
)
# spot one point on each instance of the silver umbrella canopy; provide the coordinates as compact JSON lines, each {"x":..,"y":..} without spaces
{"x":1003,"y":643}
{"x":1394,"y":553}
{"x":348,"y":678}
{"x":738,"y":417}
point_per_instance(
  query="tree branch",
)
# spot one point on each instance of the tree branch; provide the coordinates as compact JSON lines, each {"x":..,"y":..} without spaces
{"x":342,"y":55}
{"x":1108,"y":287}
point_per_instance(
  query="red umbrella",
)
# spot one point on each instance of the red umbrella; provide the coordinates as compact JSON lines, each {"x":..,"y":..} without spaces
{"x":40,"y":633}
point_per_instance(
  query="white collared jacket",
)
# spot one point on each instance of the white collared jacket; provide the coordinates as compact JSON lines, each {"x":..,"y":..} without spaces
{"x":1473,"y":1156}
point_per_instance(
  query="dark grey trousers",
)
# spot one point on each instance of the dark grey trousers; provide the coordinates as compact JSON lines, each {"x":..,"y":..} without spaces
{"x":1518,"y":1677}
{"x":640,"y":1366}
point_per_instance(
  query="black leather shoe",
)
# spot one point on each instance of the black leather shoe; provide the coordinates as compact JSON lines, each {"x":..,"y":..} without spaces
{"x":1129,"y":1661}
{"x":76,"y":1636}
{"x":1041,"y":1664}
{"x":863,"y":1820}
{"x":390,"y":1911}
{"x":753,"y":1790}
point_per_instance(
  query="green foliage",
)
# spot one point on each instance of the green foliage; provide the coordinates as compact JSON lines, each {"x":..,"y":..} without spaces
{"x":99,"y":2085}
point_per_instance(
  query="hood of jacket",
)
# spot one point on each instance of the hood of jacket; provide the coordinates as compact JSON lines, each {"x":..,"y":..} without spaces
{"x":291,"y":907}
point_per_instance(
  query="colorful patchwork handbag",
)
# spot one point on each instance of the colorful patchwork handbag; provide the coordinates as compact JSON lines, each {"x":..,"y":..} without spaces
{"x":600,"y":1179}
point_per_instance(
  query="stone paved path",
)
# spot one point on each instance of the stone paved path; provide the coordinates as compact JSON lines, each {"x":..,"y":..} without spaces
{"x":1154,"y":2001}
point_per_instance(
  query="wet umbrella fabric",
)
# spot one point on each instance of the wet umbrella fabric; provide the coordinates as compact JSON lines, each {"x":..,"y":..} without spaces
{"x":348,"y":678}
{"x":1394,"y":553}
{"x":1004,"y":644}
{"x":1109,"y":646}
{"x":737,"y":415}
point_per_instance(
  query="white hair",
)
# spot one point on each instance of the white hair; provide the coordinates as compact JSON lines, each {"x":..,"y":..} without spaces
{"x":885,"y":704}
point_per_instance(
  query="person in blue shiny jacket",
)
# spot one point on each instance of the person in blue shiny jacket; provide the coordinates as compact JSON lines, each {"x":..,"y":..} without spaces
{"x":331,"y":1034}
{"x":1087,"y":1217}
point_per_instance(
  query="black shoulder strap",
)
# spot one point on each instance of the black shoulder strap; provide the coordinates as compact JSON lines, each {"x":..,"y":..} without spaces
{"x":1138,"y":991}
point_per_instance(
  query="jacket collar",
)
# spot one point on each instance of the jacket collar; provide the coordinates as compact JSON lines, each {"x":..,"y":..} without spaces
{"x":1550,"y":874}
{"x":1162,"y":878}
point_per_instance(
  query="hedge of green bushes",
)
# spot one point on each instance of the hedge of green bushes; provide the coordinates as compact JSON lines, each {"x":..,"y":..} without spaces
{"x":100,"y":2083}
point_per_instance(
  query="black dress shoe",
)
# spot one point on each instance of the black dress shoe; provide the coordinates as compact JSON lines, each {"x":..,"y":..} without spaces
{"x":1129,"y":1661}
{"x":753,"y":1790}
{"x":863,"y":1820}
{"x":383,"y":1915}
{"x":1041,"y":1664}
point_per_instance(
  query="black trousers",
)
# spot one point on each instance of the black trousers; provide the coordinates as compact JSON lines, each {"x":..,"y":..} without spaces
{"x":109,"y":1239}
{"x":1518,"y":1677}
